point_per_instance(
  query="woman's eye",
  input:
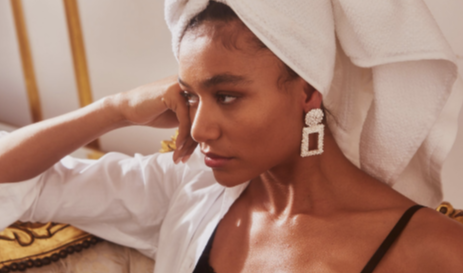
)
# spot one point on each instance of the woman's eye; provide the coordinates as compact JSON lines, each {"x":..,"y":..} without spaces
{"x":225,"y":99}
{"x":190,"y":98}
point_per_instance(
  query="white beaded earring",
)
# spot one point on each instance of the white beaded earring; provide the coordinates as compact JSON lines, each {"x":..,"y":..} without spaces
{"x":313,"y":119}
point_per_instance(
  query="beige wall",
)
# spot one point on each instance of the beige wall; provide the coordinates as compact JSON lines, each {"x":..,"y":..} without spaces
{"x":128,"y":44}
{"x":14,"y":107}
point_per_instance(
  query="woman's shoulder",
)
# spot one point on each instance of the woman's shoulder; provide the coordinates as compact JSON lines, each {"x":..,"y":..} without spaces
{"x":436,"y":240}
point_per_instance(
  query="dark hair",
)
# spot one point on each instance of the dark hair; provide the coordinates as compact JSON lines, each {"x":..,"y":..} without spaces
{"x":214,"y":11}
{"x":219,"y":12}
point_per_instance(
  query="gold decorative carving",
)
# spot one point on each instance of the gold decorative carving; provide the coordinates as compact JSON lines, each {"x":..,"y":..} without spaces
{"x":169,"y":145}
{"x":78,"y":52}
{"x":447,"y":209}
{"x":79,"y":58}
{"x":95,"y":154}
{"x":26,"y":60}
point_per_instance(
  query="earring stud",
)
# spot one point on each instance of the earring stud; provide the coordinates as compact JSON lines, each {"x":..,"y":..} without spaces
{"x":313,"y":120}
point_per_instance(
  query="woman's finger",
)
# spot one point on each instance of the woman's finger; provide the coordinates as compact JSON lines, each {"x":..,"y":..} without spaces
{"x":187,"y":149}
{"x":176,"y":102}
{"x":184,"y":127}
{"x":190,"y":149}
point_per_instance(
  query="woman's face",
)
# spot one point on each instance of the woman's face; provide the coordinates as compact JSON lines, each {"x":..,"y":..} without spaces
{"x":244,"y":118}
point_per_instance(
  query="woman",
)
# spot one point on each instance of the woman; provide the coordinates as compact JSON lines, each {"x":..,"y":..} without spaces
{"x":272,"y":209}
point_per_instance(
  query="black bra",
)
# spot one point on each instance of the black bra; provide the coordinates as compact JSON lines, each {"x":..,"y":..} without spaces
{"x":203,"y":265}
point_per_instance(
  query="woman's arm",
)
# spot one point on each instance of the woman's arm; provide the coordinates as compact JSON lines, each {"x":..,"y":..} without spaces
{"x":29,"y":151}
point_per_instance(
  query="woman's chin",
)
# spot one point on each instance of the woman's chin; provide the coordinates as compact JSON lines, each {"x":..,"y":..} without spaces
{"x":229,"y":180}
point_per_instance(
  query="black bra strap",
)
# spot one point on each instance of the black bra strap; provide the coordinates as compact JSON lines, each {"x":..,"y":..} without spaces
{"x":203,"y":265}
{"x":387,"y":243}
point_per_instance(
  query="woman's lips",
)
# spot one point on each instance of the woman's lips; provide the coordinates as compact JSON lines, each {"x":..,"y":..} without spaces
{"x":215,"y":161}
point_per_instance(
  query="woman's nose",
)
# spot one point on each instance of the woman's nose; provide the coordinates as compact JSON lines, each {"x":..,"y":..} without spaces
{"x":205,"y":126}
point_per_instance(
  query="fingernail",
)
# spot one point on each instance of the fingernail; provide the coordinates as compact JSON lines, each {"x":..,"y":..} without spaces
{"x":176,"y":161}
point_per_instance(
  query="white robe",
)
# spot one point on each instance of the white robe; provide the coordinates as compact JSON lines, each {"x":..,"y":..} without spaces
{"x":166,"y":211}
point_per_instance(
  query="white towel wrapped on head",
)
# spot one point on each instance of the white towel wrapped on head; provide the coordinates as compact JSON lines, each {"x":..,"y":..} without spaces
{"x":386,"y":73}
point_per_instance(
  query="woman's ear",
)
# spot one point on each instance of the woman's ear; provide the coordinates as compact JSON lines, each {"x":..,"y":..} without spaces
{"x":311,"y":98}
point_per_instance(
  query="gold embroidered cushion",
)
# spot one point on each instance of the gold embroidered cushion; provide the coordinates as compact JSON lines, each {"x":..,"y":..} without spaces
{"x":26,"y":245}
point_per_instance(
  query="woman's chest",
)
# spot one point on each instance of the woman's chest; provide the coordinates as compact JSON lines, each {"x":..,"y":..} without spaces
{"x":256,"y":245}
{"x":267,"y":251}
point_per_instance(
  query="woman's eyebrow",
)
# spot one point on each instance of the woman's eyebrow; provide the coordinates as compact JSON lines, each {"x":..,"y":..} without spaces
{"x":220,"y":79}
{"x":225,"y":78}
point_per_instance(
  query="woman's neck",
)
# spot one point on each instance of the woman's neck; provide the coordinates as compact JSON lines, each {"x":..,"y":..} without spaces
{"x":313,"y":185}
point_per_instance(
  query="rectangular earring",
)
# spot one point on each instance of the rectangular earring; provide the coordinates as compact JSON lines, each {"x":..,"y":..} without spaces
{"x":313,"y":119}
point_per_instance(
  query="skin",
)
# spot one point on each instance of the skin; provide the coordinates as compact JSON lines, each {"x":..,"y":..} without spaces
{"x":313,"y":214}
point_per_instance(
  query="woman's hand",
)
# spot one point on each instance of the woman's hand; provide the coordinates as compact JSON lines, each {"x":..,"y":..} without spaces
{"x":161,"y":105}
{"x":32,"y":149}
